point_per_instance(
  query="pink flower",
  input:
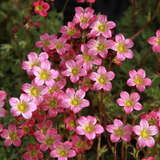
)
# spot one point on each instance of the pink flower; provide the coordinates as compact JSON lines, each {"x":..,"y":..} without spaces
{"x":34,"y":60}
{"x":88,"y":126}
{"x":3,"y":96}
{"x":74,"y":70}
{"x":24,"y":106}
{"x":100,"y":46}
{"x":1,"y":128}
{"x":122,"y":46}
{"x":63,"y":151}
{"x":46,"y":41}
{"x":89,"y":1}
{"x":83,"y":16}
{"x":41,"y":7}
{"x":75,"y":100}
{"x":118,"y":130}
{"x":44,"y":74}
{"x":102,"y":27}
{"x":145,"y":133}
{"x":12,"y":135}
{"x":129,"y":102}
{"x":48,"y":140}
{"x":70,"y":31}
{"x":70,"y":123}
{"x":138,"y":79}
{"x":102,"y":78}
{"x":33,"y":153}
{"x":155,"y":42}
{"x":87,"y":59}
{"x":149,"y":158}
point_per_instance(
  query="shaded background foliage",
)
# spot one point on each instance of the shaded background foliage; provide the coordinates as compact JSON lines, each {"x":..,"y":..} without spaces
{"x":18,"y":37}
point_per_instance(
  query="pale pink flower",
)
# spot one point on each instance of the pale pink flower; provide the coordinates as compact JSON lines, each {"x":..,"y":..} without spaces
{"x":129,"y":102}
{"x":122,"y":46}
{"x":102,"y":78}
{"x":74,"y":70}
{"x":33,"y":152}
{"x":88,"y":126}
{"x":99,"y":46}
{"x":23,"y":106}
{"x":155,"y":42}
{"x":3,"y":96}
{"x":44,"y":74}
{"x":119,"y":130}
{"x":12,"y":135}
{"x":60,"y":45}
{"x":53,"y":104}
{"x":63,"y":151}
{"x":149,"y":158}
{"x":46,"y":41}
{"x":74,"y":100}
{"x":70,"y":31}
{"x":145,"y":133}
{"x":83,"y":16}
{"x":48,"y":140}
{"x":87,"y":59}
{"x":138,"y":79}
{"x":33,"y":60}
{"x":102,"y":27}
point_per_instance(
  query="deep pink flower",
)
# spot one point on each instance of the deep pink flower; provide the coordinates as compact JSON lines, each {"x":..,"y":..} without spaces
{"x":63,"y":151}
{"x":83,"y":16}
{"x":155,"y":42}
{"x":102,"y":78}
{"x":70,"y":31}
{"x":102,"y":27}
{"x":23,"y":106}
{"x":149,"y":158}
{"x":41,"y":7}
{"x":74,"y":100}
{"x":145,"y":133}
{"x":46,"y":41}
{"x":74,"y":70}
{"x":48,"y":140}
{"x":138,"y":79}
{"x":88,"y":126}
{"x":1,"y":128}
{"x":12,"y":135}
{"x":70,"y":123}
{"x":89,"y":1}
{"x":3,"y":96}
{"x":33,"y":153}
{"x":44,"y":74}
{"x":87,"y":59}
{"x":129,"y":102}
{"x":119,"y":130}
{"x":122,"y":46}
{"x":99,"y":46}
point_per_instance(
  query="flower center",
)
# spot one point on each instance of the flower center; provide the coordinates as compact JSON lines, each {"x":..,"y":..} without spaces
{"x":71,"y":31}
{"x":121,"y":48}
{"x":158,"y":41}
{"x":54,"y":89}
{"x":102,"y":27}
{"x":46,"y":43}
{"x":79,"y":144}
{"x":119,"y":131}
{"x":44,"y":130}
{"x":22,"y":107}
{"x":49,"y":141}
{"x":75,"y":102}
{"x":59,"y":45}
{"x":33,"y":153}
{"x":71,"y":123}
{"x":63,"y":152}
{"x":52,"y":103}
{"x":138,"y":80}
{"x":84,"y":20}
{"x":34,"y":91}
{"x":13,"y":135}
{"x":87,"y":58}
{"x":89,"y":128}
{"x":75,"y":71}
{"x":144,"y":133}
{"x":44,"y":75}
{"x":102,"y":79}
{"x":33,"y":64}
{"x":39,"y":8}
{"x":101,"y":46}
{"x":128,"y":103}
